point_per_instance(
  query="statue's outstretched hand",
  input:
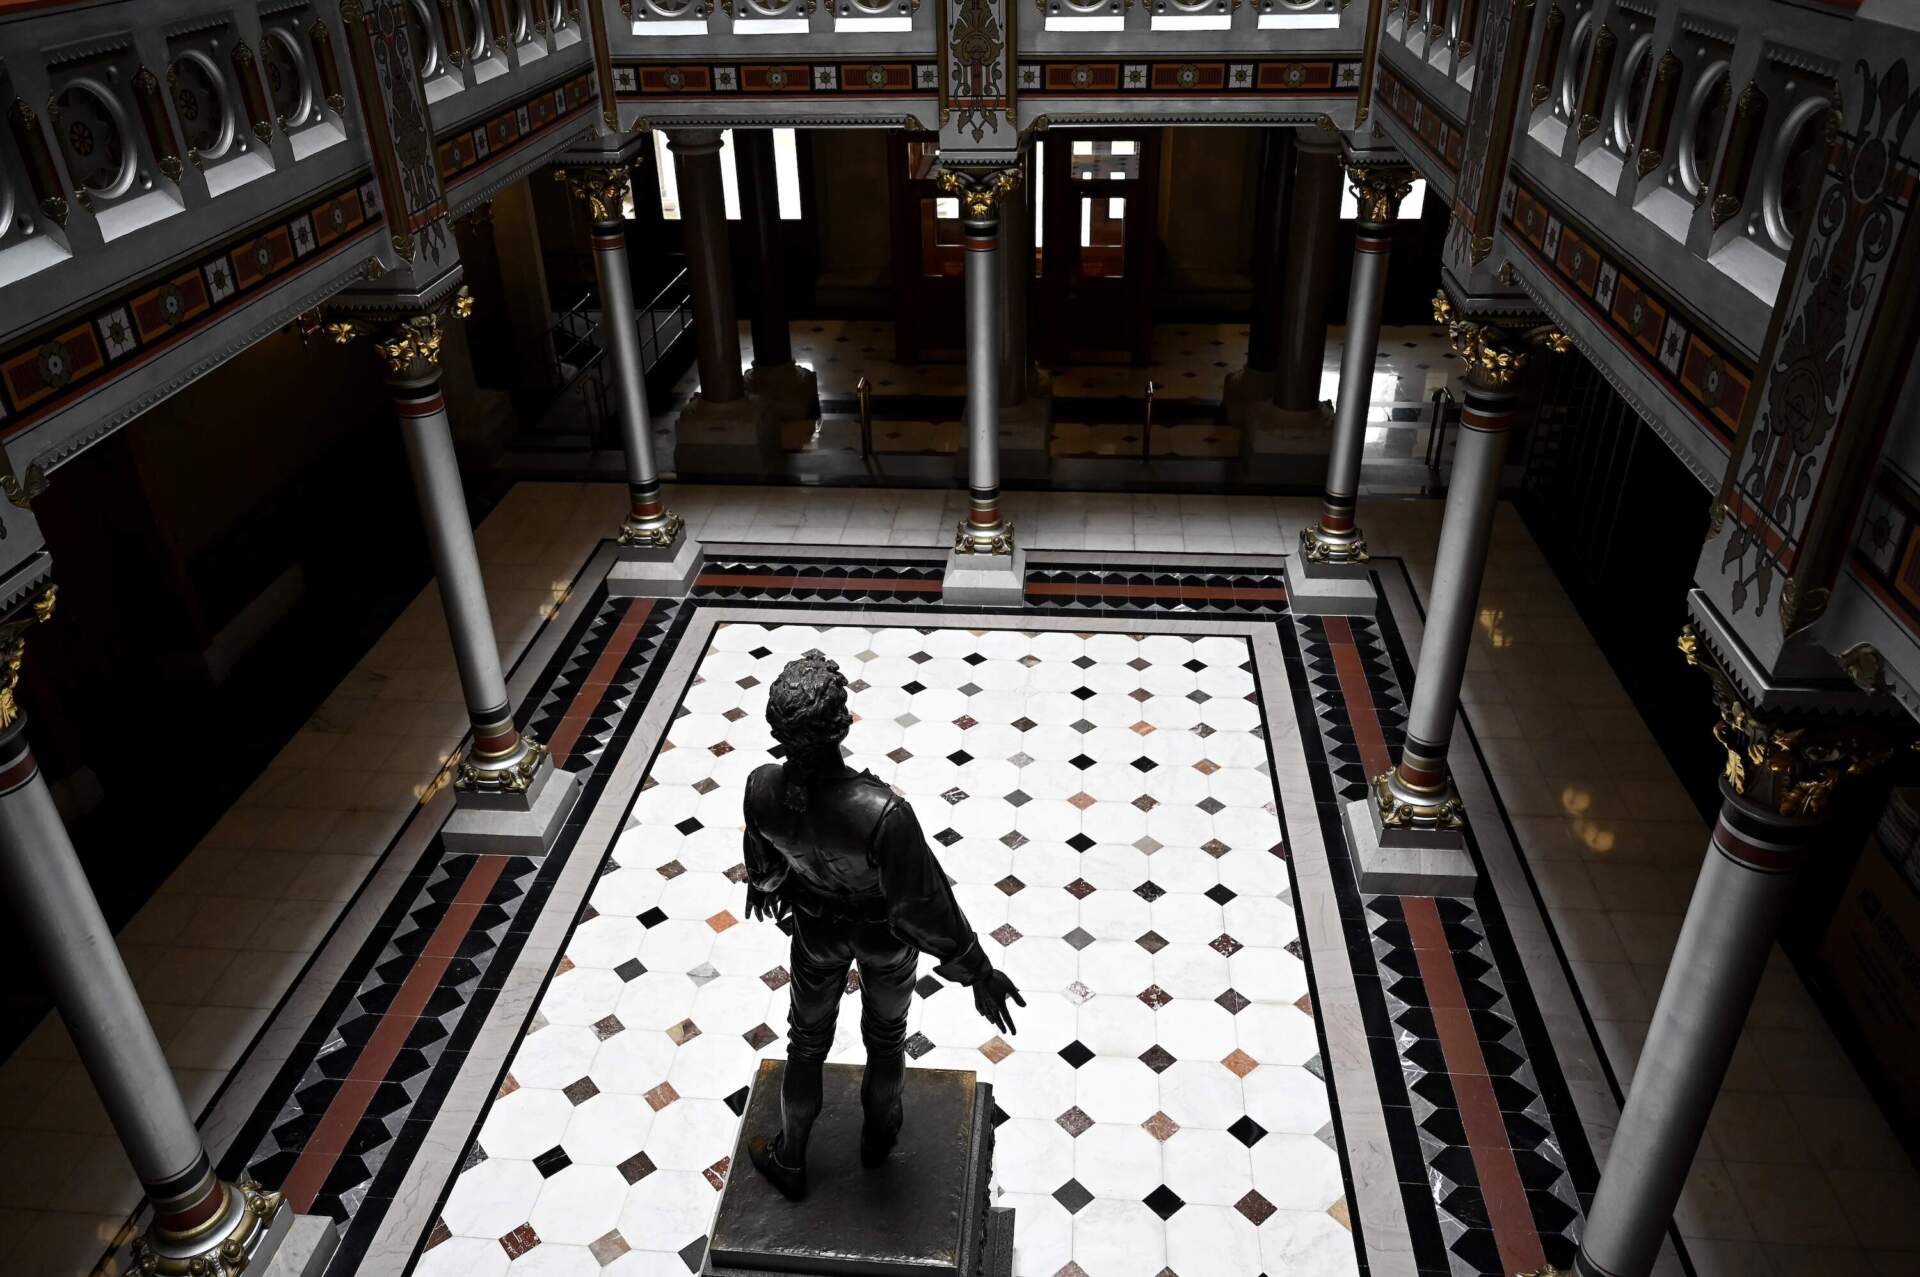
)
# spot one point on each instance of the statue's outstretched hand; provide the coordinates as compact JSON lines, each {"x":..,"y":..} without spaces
{"x":991,"y":993}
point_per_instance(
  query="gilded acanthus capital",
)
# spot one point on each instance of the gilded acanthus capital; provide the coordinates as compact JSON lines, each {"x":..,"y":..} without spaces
{"x":1379,"y":188}
{"x":980,"y":191}
{"x":1493,"y":354}
{"x":601,"y":187}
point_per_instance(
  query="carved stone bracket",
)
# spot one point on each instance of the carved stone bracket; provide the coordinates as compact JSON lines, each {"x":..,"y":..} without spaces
{"x":410,"y":344}
{"x":1787,"y":764}
{"x":1494,"y":354}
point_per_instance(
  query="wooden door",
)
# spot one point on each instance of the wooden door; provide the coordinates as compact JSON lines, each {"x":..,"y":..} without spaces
{"x":929,"y":257}
{"x":1099,"y":207}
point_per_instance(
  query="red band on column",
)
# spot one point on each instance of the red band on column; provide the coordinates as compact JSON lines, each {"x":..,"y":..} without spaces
{"x":201,"y":1212}
{"x":420,"y":407}
{"x":1753,"y":855}
{"x":1474,"y":418}
{"x":19,"y":772}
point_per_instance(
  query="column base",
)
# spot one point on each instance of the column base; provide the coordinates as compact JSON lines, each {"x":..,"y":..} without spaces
{"x":306,"y":1250}
{"x":656,"y":571}
{"x":1329,"y":587}
{"x":1246,"y":390}
{"x":493,"y":830}
{"x":246,"y":1236}
{"x":1404,"y":860}
{"x":727,"y":438}
{"x":790,"y":392}
{"x":985,"y":580}
{"x":527,"y":780}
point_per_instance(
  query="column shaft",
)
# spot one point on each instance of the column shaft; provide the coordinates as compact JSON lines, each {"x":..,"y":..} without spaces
{"x":703,"y":221}
{"x":1270,"y":227}
{"x":55,"y":909}
{"x":647,"y":517}
{"x":1743,"y":891}
{"x":1309,"y":272}
{"x":984,"y":531}
{"x":1420,"y":780}
{"x":1016,"y":260}
{"x":500,"y":758}
{"x":197,"y":1219}
{"x":1338,"y":532}
{"x":772,"y":344}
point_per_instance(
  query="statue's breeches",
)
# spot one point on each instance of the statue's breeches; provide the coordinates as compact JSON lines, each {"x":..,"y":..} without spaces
{"x":823,"y":950}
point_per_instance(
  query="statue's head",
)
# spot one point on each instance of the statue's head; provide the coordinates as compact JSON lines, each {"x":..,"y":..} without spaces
{"x":807,"y":705}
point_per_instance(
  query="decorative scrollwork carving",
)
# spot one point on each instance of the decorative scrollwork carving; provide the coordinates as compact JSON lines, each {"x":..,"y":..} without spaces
{"x":979,"y":192}
{"x":602,"y":188}
{"x":1792,"y":769}
{"x":13,"y":650}
{"x":1379,"y":189}
{"x":1490,"y":352}
{"x":407,"y":345}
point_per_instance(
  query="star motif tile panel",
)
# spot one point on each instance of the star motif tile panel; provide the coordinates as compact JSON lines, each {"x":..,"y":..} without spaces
{"x":1104,"y":805}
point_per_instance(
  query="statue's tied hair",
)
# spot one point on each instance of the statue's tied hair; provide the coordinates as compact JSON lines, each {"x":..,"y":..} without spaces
{"x":807,"y":713}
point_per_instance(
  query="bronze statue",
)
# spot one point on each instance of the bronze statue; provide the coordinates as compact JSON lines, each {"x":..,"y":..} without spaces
{"x":838,"y":861}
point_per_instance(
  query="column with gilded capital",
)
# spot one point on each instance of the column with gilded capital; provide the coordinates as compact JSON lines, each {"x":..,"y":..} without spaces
{"x":1790,"y":750}
{"x":1332,"y":575}
{"x":986,"y":566}
{"x":507,"y":797}
{"x":787,"y":390}
{"x":1406,"y":834}
{"x":1309,"y":276}
{"x":201,"y":1224}
{"x":656,"y":557}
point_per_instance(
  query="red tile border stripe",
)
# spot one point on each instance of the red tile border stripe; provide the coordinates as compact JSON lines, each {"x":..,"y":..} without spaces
{"x":1211,"y":593}
{"x":349,"y":1104}
{"x":1501,"y":1188}
{"x":612,"y":658}
{"x":1367,"y":736}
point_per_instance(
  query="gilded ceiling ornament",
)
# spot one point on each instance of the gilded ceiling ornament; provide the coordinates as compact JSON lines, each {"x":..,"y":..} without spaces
{"x":602,"y":188}
{"x":980,"y":193}
{"x":1379,"y":189}
{"x":13,"y":650}
{"x":1789,"y":768}
{"x":1495,"y":354}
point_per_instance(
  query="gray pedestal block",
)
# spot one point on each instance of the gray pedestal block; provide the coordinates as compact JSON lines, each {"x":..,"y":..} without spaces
{"x":1330,"y":589}
{"x":655,"y":573}
{"x":985,"y":580}
{"x":734,"y":437}
{"x":923,"y":1213}
{"x":503,"y":832}
{"x":1406,"y":862}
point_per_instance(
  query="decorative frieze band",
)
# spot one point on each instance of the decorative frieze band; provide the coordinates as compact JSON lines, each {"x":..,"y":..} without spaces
{"x":1439,"y":135}
{"x":1698,"y":369}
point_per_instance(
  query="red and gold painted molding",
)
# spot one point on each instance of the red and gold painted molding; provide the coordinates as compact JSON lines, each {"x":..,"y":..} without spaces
{"x":1439,"y":134}
{"x":1698,"y":369}
{"x":473,"y":146}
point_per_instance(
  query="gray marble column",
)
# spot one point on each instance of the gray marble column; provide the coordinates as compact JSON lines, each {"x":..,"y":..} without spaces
{"x":984,"y":530}
{"x":502,"y":760}
{"x":196,"y":1216}
{"x":1418,"y":792}
{"x":703,"y":222}
{"x":1270,"y":227}
{"x":1337,"y":538}
{"x":1780,"y":777}
{"x":760,"y":198}
{"x":602,"y":190}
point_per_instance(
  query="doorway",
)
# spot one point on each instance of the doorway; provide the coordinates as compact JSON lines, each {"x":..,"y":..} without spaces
{"x":1095,"y":212}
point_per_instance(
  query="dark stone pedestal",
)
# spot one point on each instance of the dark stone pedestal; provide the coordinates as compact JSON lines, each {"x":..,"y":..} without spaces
{"x":923,"y":1214}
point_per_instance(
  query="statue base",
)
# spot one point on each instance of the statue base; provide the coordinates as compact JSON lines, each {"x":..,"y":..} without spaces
{"x":924,"y":1213}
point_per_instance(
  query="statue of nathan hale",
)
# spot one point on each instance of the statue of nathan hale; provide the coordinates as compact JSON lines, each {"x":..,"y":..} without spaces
{"x":837,"y":860}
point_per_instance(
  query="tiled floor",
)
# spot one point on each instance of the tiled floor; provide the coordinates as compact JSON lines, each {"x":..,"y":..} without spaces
{"x":1798,"y":1173}
{"x":1163,"y":1098}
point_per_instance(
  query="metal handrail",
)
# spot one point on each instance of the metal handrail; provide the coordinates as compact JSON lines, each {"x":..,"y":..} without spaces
{"x":1443,"y":408}
{"x":1146,"y":434}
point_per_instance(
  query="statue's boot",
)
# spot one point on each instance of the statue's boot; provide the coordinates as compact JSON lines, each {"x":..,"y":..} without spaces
{"x":878,"y":1138}
{"x":790,"y":1180}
